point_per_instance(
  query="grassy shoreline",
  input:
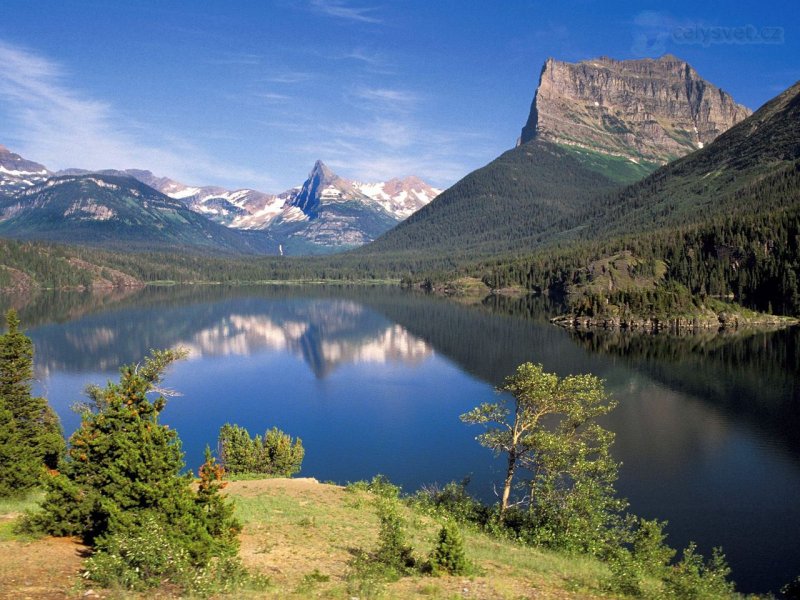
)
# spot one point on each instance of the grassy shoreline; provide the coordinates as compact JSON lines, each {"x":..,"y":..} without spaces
{"x":302,"y":535}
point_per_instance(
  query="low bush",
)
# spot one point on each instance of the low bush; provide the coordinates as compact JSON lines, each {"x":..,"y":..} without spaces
{"x":453,"y":502}
{"x":694,"y":578}
{"x":379,"y":485}
{"x":276,"y":453}
{"x":393,"y":551}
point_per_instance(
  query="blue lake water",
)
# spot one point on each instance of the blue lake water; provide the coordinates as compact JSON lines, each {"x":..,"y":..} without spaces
{"x":373,"y":380}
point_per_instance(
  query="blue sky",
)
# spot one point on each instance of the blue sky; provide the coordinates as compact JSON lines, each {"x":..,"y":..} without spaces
{"x":251,"y":93}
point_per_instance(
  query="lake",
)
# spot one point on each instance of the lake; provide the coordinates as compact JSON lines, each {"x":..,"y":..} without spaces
{"x":374,"y":379}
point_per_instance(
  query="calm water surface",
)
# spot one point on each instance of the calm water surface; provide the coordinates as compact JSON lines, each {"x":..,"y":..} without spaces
{"x":373,"y":381}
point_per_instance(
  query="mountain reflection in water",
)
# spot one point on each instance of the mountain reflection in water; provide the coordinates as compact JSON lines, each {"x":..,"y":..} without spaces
{"x":374,"y":379}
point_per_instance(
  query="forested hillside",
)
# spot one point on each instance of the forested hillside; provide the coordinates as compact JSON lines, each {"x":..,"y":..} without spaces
{"x":720,"y":222}
{"x":506,"y":206}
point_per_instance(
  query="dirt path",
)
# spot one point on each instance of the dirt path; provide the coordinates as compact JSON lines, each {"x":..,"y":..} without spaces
{"x":46,"y":568}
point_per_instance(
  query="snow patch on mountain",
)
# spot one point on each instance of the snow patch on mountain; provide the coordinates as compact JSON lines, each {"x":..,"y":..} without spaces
{"x":326,"y":210}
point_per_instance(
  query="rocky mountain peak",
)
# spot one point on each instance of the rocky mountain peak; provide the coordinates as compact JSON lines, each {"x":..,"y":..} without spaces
{"x":11,"y":161}
{"x":313,"y":192}
{"x":320,"y":172}
{"x":647,"y":110}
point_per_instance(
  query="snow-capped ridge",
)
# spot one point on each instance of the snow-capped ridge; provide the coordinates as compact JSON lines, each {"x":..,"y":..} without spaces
{"x":326,"y":210}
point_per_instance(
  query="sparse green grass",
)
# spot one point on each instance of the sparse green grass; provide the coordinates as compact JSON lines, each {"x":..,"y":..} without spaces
{"x":323,"y":527}
{"x":616,"y":168}
{"x":21,"y":504}
{"x":10,"y":508}
{"x":305,"y":537}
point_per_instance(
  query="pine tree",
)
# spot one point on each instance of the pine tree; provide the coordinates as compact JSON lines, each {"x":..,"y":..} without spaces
{"x":448,"y":555}
{"x":124,"y":469}
{"x":276,"y":453}
{"x":393,"y":550}
{"x":215,"y":510}
{"x":18,"y":467}
{"x":30,"y":430}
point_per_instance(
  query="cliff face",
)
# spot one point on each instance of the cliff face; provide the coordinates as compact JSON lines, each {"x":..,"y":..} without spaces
{"x":650,"y":110}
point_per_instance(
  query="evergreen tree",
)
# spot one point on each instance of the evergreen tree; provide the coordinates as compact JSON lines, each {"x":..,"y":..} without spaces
{"x":18,"y":467}
{"x":30,"y":431}
{"x":283,"y":455}
{"x":448,"y":555}
{"x":393,"y":550}
{"x":123,"y":471}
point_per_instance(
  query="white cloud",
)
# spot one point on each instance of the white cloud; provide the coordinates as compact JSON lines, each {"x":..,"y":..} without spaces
{"x":240,"y":58}
{"x":386,"y":99}
{"x":377,"y":148}
{"x":344,"y":10}
{"x":61,"y":127}
{"x":371,"y":61}
{"x":290,"y":77}
{"x":272,"y":96}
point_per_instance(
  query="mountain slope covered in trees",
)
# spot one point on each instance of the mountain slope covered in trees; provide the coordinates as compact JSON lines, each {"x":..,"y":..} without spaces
{"x":117,"y":212}
{"x":505,"y":206}
{"x":723,"y":221}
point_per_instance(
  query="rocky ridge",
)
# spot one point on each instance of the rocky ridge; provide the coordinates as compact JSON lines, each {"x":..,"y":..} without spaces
{"x":326,"y":211}
{"x":648,"y":110}
{"x":17,"y":173}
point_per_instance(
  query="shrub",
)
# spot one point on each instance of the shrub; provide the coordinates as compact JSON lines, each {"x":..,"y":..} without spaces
{"x":650,"y":551}
{"x":139,"y":559}
{"x":452,"y":501}
{"x":448,"y":554}
{"x":626,"y":573}
{"x":379,"y":485}
{"x":121,"y":488}
{"x":274,"y":454}
{"x":393,"y":551}
{"x":695,"y":579}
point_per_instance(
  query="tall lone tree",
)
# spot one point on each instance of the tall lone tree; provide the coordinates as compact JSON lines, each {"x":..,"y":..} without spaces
{"x":509,"y":430}
{"x":30,"y":431}
{"x":548,"y":428}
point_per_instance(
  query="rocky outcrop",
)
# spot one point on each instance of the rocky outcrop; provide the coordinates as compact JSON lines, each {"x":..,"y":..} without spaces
{"x":699,"y":322}
{"x":649,"y":110}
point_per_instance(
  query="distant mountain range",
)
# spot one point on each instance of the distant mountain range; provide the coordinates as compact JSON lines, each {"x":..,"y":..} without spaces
{"x":117,"y":212}
{"x":17,"y":173}
{"x":581,"y":206}
{"x":325,"y":214}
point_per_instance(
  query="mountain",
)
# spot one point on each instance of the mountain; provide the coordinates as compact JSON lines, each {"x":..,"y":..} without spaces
{"x":239,"y":209}
{"x":328,"y":213}
{"x":17,"y":173}
{"x":400,"y":197}
{"x":717,"y":181}
{"x":649,"y":110}
{"x":722,"y":222}
{"x":505,"y":206}
{"x":118,"y":212}
{"x":571,"y":153}
{"x":325,"y":214}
